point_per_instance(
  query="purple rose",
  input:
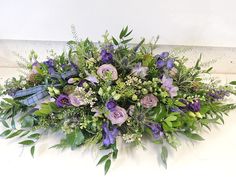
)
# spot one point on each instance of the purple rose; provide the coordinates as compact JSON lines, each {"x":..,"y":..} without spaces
{"x":75,"y":101}
{"x":62,"y":101}
{"x":105,"y":69}
{"x":118,"y":115}
{"x":106,"y":56}
{"x":111,"y":104}
{"x":149,"y":101}
{"x":109,"y":136}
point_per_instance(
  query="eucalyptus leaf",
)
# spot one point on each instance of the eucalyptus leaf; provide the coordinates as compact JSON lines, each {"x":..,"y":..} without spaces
{"x":107,"y":166}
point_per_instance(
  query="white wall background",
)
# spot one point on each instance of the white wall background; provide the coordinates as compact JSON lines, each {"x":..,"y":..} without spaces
{"x":186,"y":22}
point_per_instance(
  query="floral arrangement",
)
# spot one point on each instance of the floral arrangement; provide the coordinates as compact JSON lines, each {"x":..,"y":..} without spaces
{"x":95,"y":93}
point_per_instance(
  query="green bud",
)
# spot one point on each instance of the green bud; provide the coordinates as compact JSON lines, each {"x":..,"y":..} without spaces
{"x":85,"y":85}
{"x":198,"y":114}
{"x":56,"y":91}
{"x":100,"y":91}
{"x":117,"y":96}
{"x":144,"y":91}
{"x":134,"y":97}
{"x":108,"y":88}
{"x":191,"y":114}
{"x":50,"y":89}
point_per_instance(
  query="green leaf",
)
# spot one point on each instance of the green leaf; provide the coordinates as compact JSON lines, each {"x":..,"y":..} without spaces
{"x":193,"y":136}
{"x":24,"y":134}
{"x":5,"y":124}
{"x":5,"y":133}
{"x":158,"y":113}
{"x":171,"y":118}
{"x":123,"y":32}
{"x":35,"y":136}
{"x":32,"y":150}
{"x":114,"y":41}
{"x":179,"y":103}
{"x":107,"y":165}
{"x":164,"y":155}
{"x":18,"y":132}
{"x":105,"y":157}
{"x":73,"y":139}
{"x":9,"y":100}
{"x":71,"y":43}
{"x":27,"y":142}
{"x":27,"y":121}
{"x":233,"y":83}
{"x":128,"y":33}
{"x":126,"y":41}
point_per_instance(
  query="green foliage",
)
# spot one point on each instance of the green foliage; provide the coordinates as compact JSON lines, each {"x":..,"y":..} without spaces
{"x":164,"y":155}
{"x":72,"y":140}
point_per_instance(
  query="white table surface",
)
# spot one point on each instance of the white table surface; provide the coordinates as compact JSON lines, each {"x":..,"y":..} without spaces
{"x":213,"y":157}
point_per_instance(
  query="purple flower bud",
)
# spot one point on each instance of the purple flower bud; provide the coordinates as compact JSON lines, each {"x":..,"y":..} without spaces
{"x":160,"y":63}
{"x":49,"y":63}
{"x":111,"y":104}
{"x":164,"y":55}
{"x":194,"y":106}
{"x":170,"y":64}
{"x":106,"y":56}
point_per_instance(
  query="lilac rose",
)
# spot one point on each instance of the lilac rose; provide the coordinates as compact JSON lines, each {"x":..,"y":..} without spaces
{"x":118,"y":115}
{"x":149,"y":101}
{"x":105,"y":69}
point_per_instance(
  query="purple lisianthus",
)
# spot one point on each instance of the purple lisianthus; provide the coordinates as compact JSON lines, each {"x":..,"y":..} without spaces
{"x":118,"y":115}
{"x":170,"y":63}
{"x":194,"y":106}
{"x":106,"y":56}
{"x":157,"y":130}
{"x":167,"y":83}
{"x":111,"y":104}
{"x":139,"y":70}
{"x":63,"y":100}
{"x":109,"y":136}
{"x":105,"y":69}
{"x":149,"y":101}
{"x":160,"y":63}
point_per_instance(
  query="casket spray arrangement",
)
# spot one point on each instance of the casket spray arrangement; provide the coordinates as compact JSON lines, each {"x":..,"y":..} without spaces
{"x":95,"y":93}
